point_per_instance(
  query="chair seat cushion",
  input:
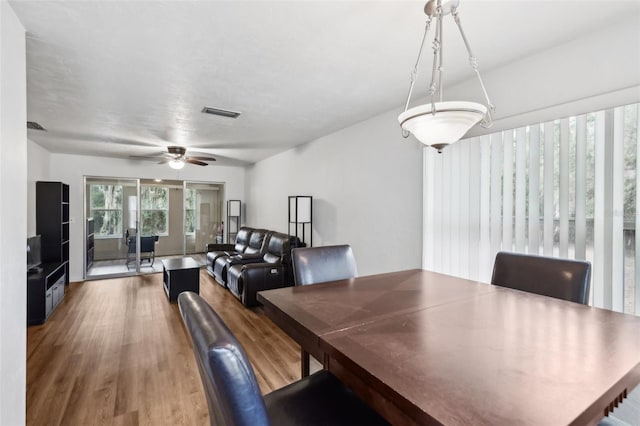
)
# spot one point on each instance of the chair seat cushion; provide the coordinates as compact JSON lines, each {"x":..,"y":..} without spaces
{"x":319,"y":399}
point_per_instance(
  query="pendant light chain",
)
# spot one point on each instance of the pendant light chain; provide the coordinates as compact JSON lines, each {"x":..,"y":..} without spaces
{"x":436,"y":70}
{"x":487,"y":122}
{"x":414,"y":72}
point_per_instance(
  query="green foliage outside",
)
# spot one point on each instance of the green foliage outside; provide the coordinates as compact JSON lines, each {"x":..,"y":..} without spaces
{"x":190,"y":211}
{"x":154,"y":210}
{"x":106,"y":209}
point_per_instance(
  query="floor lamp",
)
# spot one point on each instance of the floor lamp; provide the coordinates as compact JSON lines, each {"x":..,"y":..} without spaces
{"x":301,"y":217}
{"x":233,"y":214}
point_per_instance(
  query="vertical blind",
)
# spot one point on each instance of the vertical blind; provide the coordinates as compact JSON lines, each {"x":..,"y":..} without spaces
{"x":565,"y":188}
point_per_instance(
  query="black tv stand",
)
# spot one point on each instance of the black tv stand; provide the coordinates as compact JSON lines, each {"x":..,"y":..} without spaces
{"x":45,"y":290}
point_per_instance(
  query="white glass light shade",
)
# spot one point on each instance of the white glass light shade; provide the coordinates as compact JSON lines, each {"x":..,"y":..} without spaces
{"x":234,"y":208}
{"x":176,"y":164}
{"x":451,"y":121}
{"x":301,"y":214}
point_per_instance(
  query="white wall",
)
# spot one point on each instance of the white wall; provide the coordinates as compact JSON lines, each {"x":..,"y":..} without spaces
{"x":37,"y":169}
{"x":13,"y":222}
{"x":366,"y":183}
{"x":71,"y":170}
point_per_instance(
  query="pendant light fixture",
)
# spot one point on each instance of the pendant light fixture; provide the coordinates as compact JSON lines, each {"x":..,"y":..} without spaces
{"x":438,"y":123}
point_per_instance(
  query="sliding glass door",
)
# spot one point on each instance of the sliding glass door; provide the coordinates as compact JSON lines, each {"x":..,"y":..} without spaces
{"x":111,"y":219}
{"x":131,"y":224}
{"x":203,"y":222}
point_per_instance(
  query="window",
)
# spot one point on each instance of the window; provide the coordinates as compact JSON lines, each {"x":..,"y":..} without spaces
{"x":565,"y":188}
{"x":190,"y":211}
{"x":106,"y":210}
{"x":154,"y":210}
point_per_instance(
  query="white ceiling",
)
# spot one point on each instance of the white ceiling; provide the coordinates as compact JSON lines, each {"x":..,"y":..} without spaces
{"x":129,"y":78}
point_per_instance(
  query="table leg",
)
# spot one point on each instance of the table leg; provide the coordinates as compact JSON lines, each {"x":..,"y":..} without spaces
{"x":304,"y":363}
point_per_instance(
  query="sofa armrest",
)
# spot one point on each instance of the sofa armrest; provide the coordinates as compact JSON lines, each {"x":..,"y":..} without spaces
{"x":261,"y":276}
{"x":243,"y":259}
{"x":220,"y":247}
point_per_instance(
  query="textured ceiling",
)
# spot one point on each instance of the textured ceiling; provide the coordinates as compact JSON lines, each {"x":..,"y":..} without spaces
{"x":130,"y":78}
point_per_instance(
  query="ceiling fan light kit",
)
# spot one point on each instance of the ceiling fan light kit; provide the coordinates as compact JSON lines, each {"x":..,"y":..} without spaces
{"x":439,"y":123}
{"x":176,"y":164}
{"x":176,"y":157}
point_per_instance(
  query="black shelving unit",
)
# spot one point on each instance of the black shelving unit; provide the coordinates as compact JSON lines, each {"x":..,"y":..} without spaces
{"x":52,"y":222}
{"x":46,"y":284}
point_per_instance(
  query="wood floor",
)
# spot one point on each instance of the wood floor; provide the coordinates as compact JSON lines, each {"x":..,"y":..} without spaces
{"x":115,"y":352}
{"x":110,"y":268}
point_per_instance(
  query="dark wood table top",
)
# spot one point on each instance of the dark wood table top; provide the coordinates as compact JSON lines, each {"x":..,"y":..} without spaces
{"x":322,"y":308}
{"x":180,"y":263}
{"x":452,"y":351}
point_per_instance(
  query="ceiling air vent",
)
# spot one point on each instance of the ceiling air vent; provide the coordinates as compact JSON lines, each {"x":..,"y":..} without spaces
{"x":35,"y":126}
{"x":220,"y":112}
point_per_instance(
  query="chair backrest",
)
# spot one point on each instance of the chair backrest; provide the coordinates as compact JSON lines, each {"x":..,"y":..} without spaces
{"x":242,"y":239}
{"x":233,"y":394}
{"x":312,"y":265}
{"x":548,"y":276}
{"x":278,"y":248}
{"x":258,"y":242}
{"x":147,"y":244}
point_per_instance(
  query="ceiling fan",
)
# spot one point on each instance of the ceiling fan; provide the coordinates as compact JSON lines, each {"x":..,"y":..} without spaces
{"x":177,"y":157}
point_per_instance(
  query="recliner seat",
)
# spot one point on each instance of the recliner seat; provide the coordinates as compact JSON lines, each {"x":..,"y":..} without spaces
{"x":255,"y":250}
{"x":273,"y":270}
{"x":214,"y":251}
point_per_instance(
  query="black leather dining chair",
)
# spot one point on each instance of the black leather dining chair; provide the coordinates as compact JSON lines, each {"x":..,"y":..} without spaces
{"x":314,"y":265}
{"x":232,"y":391}
{"x":548,"y":276}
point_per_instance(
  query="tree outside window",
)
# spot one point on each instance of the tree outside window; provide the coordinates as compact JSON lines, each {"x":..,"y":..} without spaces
{"x":154,"y":210}
{"x":190,"y":211}
{"x":106,"y":210}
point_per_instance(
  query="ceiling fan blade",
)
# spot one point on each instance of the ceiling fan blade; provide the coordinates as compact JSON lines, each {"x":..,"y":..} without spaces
{"x":192,"y":161}
{"x":202,"y":158}
{"x":148,"y":158}
{"x":191,"y":153}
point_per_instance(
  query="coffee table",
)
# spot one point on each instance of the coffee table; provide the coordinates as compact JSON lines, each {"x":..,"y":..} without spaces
{"x":180,"y":274}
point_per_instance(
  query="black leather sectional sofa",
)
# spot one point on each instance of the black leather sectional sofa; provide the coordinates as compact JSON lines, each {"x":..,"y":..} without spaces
{"x":259,"y":260}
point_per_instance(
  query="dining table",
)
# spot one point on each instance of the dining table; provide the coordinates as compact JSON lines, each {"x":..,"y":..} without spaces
{"x":422,"y":347}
